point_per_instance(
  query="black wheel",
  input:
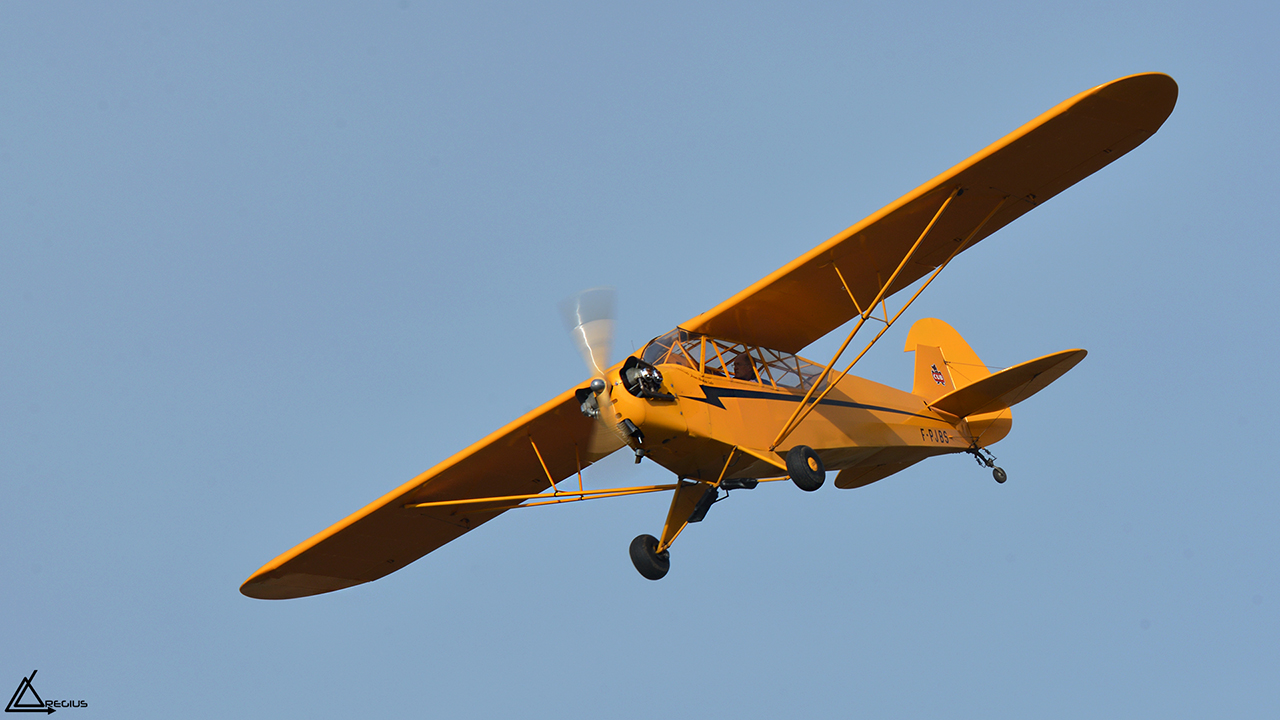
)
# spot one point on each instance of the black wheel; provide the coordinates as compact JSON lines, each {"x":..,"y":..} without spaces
{"x":805,"y":468}
{"x":999,"y":475}
{"x":645,"y":556}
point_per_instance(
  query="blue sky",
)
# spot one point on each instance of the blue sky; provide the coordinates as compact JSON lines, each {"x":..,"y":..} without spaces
{"x":259,"y":265}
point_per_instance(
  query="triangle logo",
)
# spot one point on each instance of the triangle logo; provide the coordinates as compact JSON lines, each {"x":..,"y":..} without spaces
{"x":26,"y":699}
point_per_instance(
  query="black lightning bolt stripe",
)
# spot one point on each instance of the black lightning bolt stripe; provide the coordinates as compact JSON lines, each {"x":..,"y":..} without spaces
{"x":714,"y":395}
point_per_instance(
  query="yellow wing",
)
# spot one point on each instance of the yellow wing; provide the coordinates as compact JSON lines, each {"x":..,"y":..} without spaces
{"x":385,"y":535}
{"x":806,"y":299}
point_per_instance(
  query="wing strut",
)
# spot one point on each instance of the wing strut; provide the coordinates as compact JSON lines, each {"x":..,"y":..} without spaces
{"x":802,"y":411}
{"x":510,"y":502}
{"x":862,"y":318}
{"x":550,"y":478}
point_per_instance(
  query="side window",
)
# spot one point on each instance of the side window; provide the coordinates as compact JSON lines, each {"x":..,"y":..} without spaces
{"x":810,"y":373}
{"x":693,"y":348}
{"x":763,"y":368}
{"x":738,"y":361}
{"x":714,"y":362}
{"x":741,"y":362}
{"x":679,"y":356}
{"x":781,"y":368}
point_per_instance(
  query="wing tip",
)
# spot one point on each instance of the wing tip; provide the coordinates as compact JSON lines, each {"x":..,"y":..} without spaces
{"x":265,"y":586}
{"x":1150,"y":95}
{"x":1154,"y":81}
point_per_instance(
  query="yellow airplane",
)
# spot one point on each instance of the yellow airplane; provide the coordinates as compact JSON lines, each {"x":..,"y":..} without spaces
{"x":724,"y":402}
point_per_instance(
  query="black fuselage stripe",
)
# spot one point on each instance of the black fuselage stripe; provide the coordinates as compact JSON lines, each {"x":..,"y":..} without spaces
{"x":714,"y":394}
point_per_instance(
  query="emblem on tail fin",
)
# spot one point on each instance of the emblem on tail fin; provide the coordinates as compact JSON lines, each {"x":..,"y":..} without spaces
{"x":937,"y":375}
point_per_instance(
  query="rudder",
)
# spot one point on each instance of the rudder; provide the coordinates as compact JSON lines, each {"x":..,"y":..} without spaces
{"x":944,"y":361}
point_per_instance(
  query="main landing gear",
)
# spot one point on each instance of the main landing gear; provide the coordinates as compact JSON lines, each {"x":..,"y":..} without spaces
{"x":692,"y":500}
{"x":805,"y":468}
{"x":986,"y":459}
{"x":653,"y":565}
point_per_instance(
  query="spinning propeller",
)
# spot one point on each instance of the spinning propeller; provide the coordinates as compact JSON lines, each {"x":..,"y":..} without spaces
{"x":589,"y":316}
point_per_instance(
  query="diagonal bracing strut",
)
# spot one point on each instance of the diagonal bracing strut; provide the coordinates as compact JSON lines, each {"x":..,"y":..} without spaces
{"x":805,"y":407}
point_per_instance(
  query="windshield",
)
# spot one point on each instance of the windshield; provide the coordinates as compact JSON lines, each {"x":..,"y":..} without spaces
{"x":728,"y":359}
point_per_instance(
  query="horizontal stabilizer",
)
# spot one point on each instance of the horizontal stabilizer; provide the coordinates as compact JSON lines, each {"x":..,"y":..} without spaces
{"x":1009,"y":386}
{"x":856,"y":477}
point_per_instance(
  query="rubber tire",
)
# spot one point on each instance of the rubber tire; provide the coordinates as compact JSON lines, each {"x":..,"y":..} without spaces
{"x":651,"y":564}
{"x":805,"y":468}
{"x":1000,"y":475}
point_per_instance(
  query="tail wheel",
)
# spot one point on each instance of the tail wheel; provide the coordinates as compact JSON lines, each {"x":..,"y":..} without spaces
{"x":652,"y":564}
{"x":805,"y":468}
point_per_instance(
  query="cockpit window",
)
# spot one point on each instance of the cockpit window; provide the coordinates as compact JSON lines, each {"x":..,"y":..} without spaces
{"x":677,"y":347}
{"x":713,"y":356}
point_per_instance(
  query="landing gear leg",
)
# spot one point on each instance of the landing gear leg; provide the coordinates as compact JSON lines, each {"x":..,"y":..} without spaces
{"x":986,"y":459}
{"x":690,"y":503}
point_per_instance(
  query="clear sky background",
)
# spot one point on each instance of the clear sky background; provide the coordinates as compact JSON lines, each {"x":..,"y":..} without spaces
{"x":259,"y":265}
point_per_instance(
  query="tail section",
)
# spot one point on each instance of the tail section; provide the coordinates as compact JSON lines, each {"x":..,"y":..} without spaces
{"x":1009,"y":386}
{"x":944,"y":361}
{"x":954,"y":382}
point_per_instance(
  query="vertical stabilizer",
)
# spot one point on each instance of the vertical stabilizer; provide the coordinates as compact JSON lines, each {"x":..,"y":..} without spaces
{"x":932,"y":378}
{"x":937,"y":343}
{"x":944,"y":361}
